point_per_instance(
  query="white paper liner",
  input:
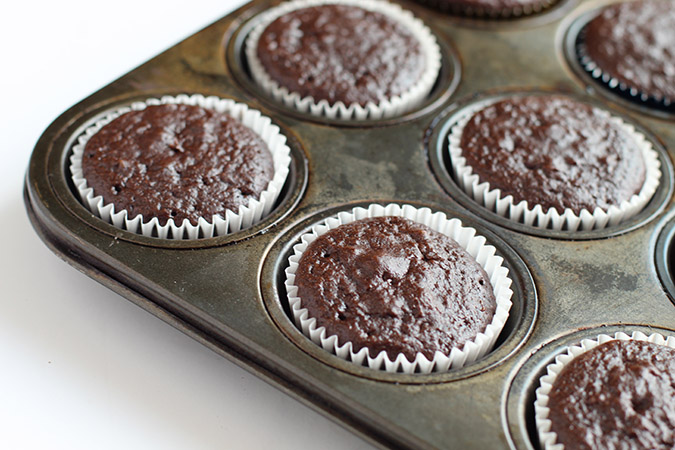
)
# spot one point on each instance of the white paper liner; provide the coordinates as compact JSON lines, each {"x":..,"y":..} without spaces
{"x":535,"y":216}
{"x":615,"y":84}
{"x":466,"y":237}
{"x":391,"y":107}
{"x":606,"y":78}
{"x":548,"y":438}
{"x":245,"y":217}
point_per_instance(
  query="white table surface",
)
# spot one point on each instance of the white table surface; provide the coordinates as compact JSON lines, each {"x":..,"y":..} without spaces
{"x":80,"y":366}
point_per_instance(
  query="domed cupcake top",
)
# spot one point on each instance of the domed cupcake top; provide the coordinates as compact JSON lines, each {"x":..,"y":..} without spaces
{"x":177,"y":161}
{"x":344,"y":53}
{"x":491,"y":8}
{"x":553,"y":151}
{"x":343,"y":59}
{"x":388,"y":283}
{"x":619,"y":394}
{"x":633,"y":42}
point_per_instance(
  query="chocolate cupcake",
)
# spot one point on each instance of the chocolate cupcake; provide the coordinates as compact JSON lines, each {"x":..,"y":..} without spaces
{"x":629,"y":47}
{"x":552,"y":162}
{"x":493,"y":9}
{"x":343,"y":59}
{"x":398,"y":289}
{"x":610,"y":393}
{"x":181,"y":167}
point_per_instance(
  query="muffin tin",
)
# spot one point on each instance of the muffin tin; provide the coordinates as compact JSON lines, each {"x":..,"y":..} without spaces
{"x":227,"y":292}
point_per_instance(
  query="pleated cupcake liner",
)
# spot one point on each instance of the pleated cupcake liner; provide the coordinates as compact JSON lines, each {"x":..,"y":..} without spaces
{"x":547,"y":438}
{"x":466,"y":237}
{"x":233,"y":221}
{"x":612,"y":83}
{"x":387,"y":108}
{"x":535,"y":215}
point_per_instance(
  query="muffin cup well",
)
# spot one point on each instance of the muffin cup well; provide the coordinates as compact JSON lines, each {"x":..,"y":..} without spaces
{"x":535,"y":216}
{"x":466,"y":237}
{"x":548,"y":438}
{"x":387,"y":108}
{"x":245,"y":217}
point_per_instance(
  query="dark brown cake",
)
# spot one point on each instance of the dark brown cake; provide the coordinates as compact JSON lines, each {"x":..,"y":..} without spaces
{"x":341,"y":53}
{"x":504,"y":8}
{"x":553,"y":151}
{"x":620,"y":394}
{"x":177,"y":161}
{"x":634,"y":42}
{"x":391,"y":284}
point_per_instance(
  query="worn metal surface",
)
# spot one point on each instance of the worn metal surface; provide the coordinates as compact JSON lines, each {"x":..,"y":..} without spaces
{"x":226,"y":291}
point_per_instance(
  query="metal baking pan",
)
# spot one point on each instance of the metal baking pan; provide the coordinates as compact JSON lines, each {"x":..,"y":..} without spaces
{"x":227,"y":292}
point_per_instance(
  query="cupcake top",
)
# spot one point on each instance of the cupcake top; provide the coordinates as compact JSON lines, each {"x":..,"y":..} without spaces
{"x":553,"y":151}
{"x":345,"y":53}
{"x":492,"y":7}
{"x":633,"y":43}
{"x":177,"y":161}
{"x":388,"y":283}
{"x":620,"y":394}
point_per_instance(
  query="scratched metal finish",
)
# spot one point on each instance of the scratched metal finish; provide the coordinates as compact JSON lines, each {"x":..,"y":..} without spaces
{"x":227,"y":293}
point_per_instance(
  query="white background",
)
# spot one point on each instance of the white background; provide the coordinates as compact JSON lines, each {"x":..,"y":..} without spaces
{"x":80,"y":366}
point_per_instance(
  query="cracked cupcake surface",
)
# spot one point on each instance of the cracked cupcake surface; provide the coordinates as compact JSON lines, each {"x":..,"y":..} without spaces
{"x":391,"y":284}
{"x":341,"y":53}
{"x":553,"y":151}
{"x":621,"y":394}
{"x":634,"y":43}
{"x":496,"y":8}
{"x":177,"y":161}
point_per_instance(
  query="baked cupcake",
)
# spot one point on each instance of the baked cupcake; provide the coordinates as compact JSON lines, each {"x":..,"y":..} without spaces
{"x":552,"y":162}
{"x":343,"y":59}
{"x":610,"y":393}
{"x":398,"y":289}
{"x":181,"y":167}
{"x":490,"y":8}
{"x":629,"y":47}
